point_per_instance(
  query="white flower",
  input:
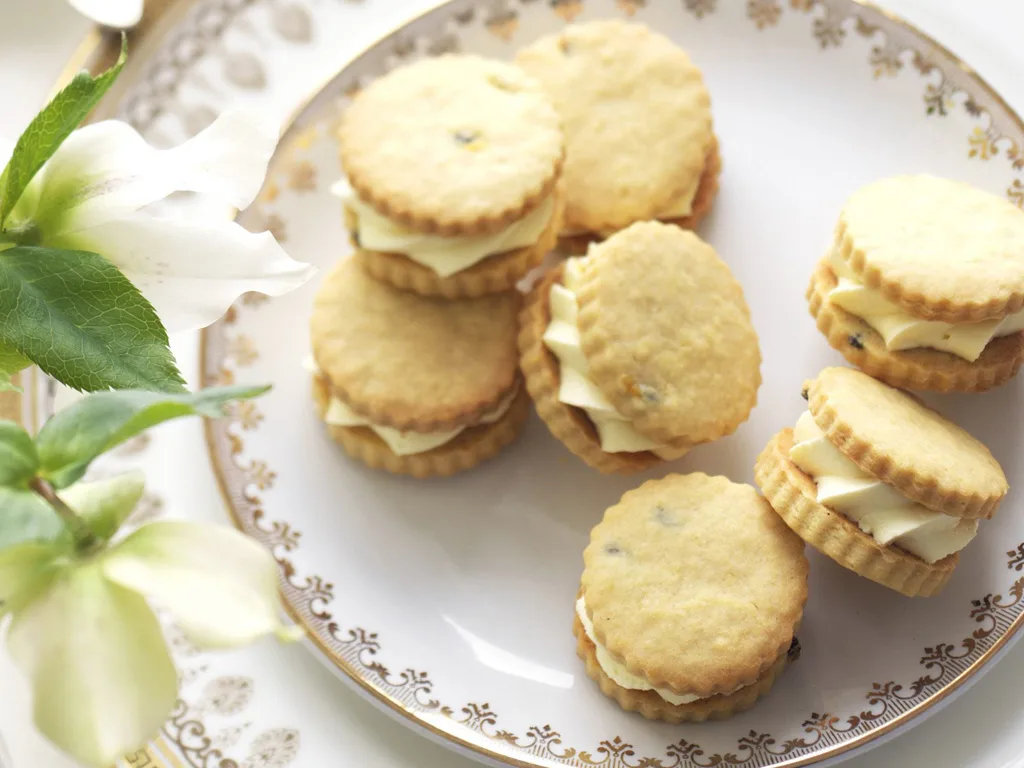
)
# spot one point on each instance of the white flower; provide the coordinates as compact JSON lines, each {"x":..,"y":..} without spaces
{"x":220,"y":585}
{"x":120,"y":14}
{"x":103,"y":681}
{"x":94,"y":194}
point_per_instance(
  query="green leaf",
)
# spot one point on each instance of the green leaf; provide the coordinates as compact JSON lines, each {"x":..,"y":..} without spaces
{"x":50,"y":127}
{"x":70,"y":440}
{"x":25,"y":516}
{"x":18,"y":458}
{"x":11,"y":361}
{"x":83,"y":322}
{"x":105,"y":504}
{"x":102,"y":679}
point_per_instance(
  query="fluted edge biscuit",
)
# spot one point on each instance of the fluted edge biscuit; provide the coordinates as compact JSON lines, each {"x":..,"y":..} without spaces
{"x":793,"y":495}
{"x":494,"y":274}
{"x":412,"y":362}
{"x":694,"y":583}
{"x":570,"y":425}
{"x":882,"y":430}
{"x":454,"y":144}
{"x":637,"y":119}
{"x":466,"y":450}
{"x":653,"y":707}
{"x":577,"y":244}
{"x":668,"y":335}
{"x":940,"y":249}
{"x":925,"y":369}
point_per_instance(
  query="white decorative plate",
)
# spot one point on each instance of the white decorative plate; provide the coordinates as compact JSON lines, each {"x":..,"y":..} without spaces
{"x":450,"y":602}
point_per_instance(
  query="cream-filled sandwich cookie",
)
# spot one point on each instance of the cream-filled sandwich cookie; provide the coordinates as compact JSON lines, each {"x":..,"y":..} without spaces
{"x":690,"y":598}
{"x":637,"y":119}
{"x":452,"y":167}
{"x":852,"y":480}
{"x":641,"y":349}
{"x":924,"y":285}
{"x":411,"y":384}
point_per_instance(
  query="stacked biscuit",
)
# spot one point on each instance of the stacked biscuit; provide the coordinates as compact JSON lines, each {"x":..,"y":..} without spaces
{"x":640,"y":350}
{"x":453,"y":194}
{"x":879,"y":482}
{"x":922,"y":288}
{"x":463,"y":173}
{"x":924,"y":285}
{"x":691,"y":596}
{"x":637,"y":121}
{"x":450,"y":206}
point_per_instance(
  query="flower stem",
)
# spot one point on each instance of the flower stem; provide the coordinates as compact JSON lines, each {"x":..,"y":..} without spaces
{"x":85,"y":539}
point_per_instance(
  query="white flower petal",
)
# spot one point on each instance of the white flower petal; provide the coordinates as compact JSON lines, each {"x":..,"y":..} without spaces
{"x":192,"y":271}
{"x":220,"y":585}
{"x":119,"y":14}
{"x":106,"y":171}
{"x":102,"y":679}
{"x":22,"y":567}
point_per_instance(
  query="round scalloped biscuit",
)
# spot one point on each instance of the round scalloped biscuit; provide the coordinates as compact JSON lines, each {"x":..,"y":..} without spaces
{"x":793,"y":495}
{"x":941,"y":249}
{"x":456,"y":144}
{"x":577,"y":244}
{"x":541,"y":370}
{"x":494,"y":274}
{"x":637,"y":120}
{"x":471,"y":447}
{"x":410,"y":362}
{"x":653,"y":707}
{"x":695,"y":584}
{"x":929,"y":369}
{"x":883,"y":431}
{"x":667,"y":334}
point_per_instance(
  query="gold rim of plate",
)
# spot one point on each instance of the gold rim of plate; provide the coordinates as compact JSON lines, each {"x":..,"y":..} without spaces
{"x":993,"y":616}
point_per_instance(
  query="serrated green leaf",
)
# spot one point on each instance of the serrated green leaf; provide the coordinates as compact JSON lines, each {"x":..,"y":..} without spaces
{"x":70,"y":440}
{"x":105,"y":504}
{"x":49,"y":128}
{"x":18,"y":458}
{"x":25,"y":516}
{"x":11,"y":361}
{"x":83,"y":322}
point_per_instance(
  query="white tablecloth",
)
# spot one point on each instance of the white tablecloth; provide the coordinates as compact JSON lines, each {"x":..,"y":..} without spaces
{"x":983,"y":729}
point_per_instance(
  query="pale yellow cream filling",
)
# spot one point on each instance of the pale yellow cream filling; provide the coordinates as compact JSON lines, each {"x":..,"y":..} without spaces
{"x":562,"y":337}
{"x":444,"y":255}
{"x":401,"y":443}
{"x":618,"y":672}
{"x":878,"y":509}
{"x":903,"y":331}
